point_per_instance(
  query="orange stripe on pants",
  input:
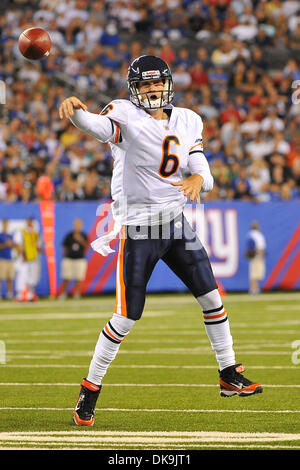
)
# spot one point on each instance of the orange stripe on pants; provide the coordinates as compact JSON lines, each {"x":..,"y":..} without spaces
{"x":120,"y":271}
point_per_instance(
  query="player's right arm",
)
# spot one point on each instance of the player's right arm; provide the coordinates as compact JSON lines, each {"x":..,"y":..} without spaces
{"x":68,"y":106}
{"x":93,"y":124}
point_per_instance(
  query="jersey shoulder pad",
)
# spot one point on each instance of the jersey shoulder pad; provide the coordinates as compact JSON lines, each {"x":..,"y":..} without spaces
{"x":191,"y":115}
{"x":117,"y":110}
{"x":193,"y":121}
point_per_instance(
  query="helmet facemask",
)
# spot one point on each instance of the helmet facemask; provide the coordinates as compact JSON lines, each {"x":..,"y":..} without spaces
{"x":153,"y":99}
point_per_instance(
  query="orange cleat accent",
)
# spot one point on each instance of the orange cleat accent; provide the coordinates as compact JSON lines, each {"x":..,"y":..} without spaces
{"x":83,"y":422}
{"x":232,"y":382}
{"x":84,"y":412}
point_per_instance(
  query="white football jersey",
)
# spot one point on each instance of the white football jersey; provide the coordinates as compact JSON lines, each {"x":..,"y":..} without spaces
{"x":148,"y":155}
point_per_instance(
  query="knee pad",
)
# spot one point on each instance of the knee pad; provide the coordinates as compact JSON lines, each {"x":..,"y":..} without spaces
{"x":210,"y":300}
{"x":121,"y":324}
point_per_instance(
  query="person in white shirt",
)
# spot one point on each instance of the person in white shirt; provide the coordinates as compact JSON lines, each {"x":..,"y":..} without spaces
{"x":259,"y":147}
{"x":256,"y":251}
{"x":244,"y":31}
{"x":272,"y":124}
{"x":153,"y":143}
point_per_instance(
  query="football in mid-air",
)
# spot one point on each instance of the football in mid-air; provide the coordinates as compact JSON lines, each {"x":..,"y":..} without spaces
{"x":34,"y":43}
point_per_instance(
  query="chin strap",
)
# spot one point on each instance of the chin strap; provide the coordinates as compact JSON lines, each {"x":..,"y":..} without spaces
{"x":101,"y":244}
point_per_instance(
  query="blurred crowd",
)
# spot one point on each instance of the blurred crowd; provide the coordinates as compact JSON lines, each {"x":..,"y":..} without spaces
{"x":235,"y":62}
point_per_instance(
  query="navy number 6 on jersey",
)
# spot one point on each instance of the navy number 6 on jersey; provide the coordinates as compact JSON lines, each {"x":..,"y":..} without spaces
{"x":168,"y":157}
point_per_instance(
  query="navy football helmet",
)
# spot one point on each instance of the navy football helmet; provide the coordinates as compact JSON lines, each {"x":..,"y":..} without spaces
{"x":150,"y":67}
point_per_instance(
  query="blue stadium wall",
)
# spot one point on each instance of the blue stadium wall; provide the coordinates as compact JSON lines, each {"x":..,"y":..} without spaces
{"x":223,"y":229}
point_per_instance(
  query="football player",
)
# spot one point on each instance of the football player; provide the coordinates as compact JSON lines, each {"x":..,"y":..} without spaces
{"x":153,"y":143}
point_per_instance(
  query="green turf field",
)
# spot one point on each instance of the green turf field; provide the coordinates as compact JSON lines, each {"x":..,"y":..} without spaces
{"x":161,"y":392}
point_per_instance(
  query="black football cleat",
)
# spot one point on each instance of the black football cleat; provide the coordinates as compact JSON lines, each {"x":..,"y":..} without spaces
{"x":84,"y":413}
{"x":232,"y":382}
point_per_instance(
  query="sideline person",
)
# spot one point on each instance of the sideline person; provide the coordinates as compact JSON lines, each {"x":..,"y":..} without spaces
{"x":256,"y":252}
{"x":74,"y":264}
{"x":7,"y":269}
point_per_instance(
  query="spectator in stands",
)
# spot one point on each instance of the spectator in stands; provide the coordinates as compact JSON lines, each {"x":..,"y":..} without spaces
{"x":272,"y":123}
{"x":224,"y":54}
{"x":203,"y":58}
{"x":218,"y":79}
{"x":182,"y":79}
{"x":199,"y":77}
{"x":229,"y":112}
{"x":167,"y":53}
{"x":292,"y":70}
{"x":221,"y":46}
{"x":295,"y":40}
{"x":245,"y":30}
{"x":257,"y":59}
{"x":91,"y":189}
{"x":242,"y":190}
{"x":294,"y":153}
{"x":183,"y":58}
{"x":250,"y":127}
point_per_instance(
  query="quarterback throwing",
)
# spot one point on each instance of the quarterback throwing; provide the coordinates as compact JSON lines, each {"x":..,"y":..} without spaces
{"x":153,"y":144}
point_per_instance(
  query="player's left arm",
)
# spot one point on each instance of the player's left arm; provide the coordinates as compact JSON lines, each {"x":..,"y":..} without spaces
{"x":191,"y":186}
{"x":201,"y":179}
{"x":198,"y":165}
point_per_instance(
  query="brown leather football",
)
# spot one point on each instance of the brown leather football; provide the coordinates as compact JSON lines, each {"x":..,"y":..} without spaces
{"x":34,"y":43}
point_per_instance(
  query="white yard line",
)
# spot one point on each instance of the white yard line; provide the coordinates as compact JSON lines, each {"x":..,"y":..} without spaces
{"x":138,"y":366}
{"x":103,"y":302}
{"x":153,"y":410}
{"x":159,"y":446}
{"x":161,"y":351}
{"x":60,"y":384}
{"x":140,"y":438}
{"x":159,"y":331}
{"x":73,"y":316}
{"x":241,"y":345}
{"x":270,"y":331}
{"x":175,"y":434}
{"x":281,"y":307}
{"x":265,"y":297}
